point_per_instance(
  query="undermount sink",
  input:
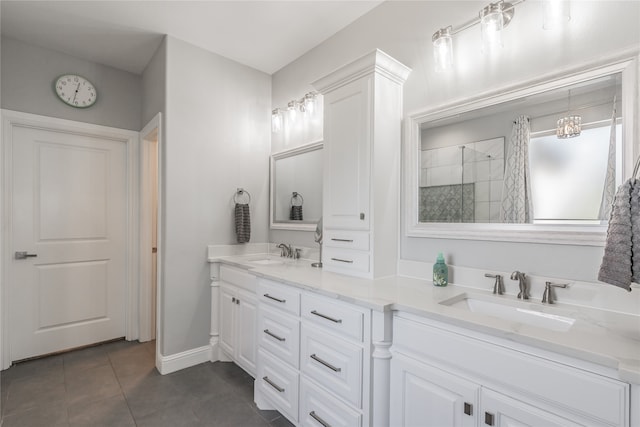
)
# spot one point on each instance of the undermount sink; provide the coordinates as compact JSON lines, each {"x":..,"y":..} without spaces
{"x":515,"y":311}
{"x":266,"y":261}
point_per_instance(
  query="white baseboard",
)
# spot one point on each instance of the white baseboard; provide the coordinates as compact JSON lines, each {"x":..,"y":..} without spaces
{"x":185,"y":359}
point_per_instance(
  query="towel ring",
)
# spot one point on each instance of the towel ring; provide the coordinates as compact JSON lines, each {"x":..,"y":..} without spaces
{"x":241,"y":192}
{"x":295,"y":195}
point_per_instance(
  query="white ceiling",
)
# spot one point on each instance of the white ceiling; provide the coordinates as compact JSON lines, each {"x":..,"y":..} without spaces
{"x":266,"y":35}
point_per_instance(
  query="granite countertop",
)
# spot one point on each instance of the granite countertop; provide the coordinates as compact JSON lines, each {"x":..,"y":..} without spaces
{"x":607,"y":338}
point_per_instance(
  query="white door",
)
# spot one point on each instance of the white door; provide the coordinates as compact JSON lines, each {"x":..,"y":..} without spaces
{"x":246,"y":331}
{"x":227,"y":319}
{"x":68,"y":210}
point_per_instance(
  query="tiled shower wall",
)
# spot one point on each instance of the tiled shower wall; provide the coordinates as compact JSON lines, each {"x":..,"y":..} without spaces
{"x":483,"y":167}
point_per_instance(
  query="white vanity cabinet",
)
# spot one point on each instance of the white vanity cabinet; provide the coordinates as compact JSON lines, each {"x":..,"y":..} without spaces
{"x":443,"y":375}
{"x":238,"y":316}
{"x":362,"y":139}
{"x":314,"y":357}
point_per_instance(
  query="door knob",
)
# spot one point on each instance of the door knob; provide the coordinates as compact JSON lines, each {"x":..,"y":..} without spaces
{"x":24,"y":255}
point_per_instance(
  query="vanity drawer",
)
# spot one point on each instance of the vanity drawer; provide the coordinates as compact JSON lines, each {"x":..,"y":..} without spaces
{"x":238,"y":277}
{"x":345,"y":259}
{"x":333,"y":363}
{"x":341,"y":318}
{"x":346,"y":239}
{"x":279,"y":384}
{"x":283,"y":297}
{"x":280,"y":334}
{"x":318,"y":407}
{"x":599,"y":399}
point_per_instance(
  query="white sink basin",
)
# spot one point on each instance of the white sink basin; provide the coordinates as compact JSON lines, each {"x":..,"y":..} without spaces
{"x":266,"y":261}
{"x":515,"y":311}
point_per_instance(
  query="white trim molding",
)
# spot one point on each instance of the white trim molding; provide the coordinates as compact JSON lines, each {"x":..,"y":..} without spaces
{"x":625,"y":63}
{"x":10,"y":119}
{"x":182,"y":360}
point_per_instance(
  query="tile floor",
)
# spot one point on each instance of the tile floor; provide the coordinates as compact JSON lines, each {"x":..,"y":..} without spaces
{"x":117,"y":385}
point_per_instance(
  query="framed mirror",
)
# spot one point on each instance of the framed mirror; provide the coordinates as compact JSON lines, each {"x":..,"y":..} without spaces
{"x":539,"y":162}
{"x":296,"y":187}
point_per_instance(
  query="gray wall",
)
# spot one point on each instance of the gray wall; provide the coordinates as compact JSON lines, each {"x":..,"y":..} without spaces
{"x":28,"y":73}
{"x":404,"y":29}
{"x":217,"y":125}
{"x":154,"y":84}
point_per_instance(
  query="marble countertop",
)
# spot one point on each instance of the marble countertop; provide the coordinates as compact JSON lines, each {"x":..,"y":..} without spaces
{"x":603,"y":337}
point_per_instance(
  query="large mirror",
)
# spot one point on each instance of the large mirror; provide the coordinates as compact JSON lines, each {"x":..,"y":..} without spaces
{"x":296,"y":187}
{"x":536,"y":163}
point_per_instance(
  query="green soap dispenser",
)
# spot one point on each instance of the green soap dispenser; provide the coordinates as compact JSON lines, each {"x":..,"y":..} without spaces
{"x":440,"y":272}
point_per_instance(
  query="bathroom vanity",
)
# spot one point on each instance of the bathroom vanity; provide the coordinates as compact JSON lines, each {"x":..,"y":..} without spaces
{"x":399,"y":351}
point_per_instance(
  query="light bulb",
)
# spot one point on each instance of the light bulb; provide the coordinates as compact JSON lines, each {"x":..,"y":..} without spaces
{"x":276,"y":120}
{"x":491,"y":24}
{"x":556,"y":13}
{"x":292,"y":108}
{"x":310,"y":102}
{"x":443,"y":49}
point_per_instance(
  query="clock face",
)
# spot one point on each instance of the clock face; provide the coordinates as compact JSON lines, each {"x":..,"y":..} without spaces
{"x":75,"y":91}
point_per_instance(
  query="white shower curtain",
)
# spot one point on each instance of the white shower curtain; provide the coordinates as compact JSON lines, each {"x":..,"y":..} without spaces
{"x":609,"y":190}
{"x":517,"y":205}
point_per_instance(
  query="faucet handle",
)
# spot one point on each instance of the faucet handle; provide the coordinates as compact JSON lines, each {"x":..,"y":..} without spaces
{"x":297,"y":253}
{"x":498,"y":286}
{"x":547,"y":295}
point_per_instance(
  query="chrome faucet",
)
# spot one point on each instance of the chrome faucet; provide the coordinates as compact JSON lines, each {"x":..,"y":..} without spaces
{"x":498,"y":286}
{"x":547,"y":295}
{"x":285,"y":250}
{"x":522,"y":284}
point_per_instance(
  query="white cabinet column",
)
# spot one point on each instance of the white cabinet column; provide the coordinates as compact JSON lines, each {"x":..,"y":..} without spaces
{"x":214,"y":332}
{"x":362,"y":147}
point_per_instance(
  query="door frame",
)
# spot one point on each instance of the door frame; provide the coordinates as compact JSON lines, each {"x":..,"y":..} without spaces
{"x":11,"y":119}
{"x":153,"y":127}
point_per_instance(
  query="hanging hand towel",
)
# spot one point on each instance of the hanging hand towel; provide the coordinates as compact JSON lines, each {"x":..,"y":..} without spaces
{"x":243,"y":222}
{"x":616,"y":267}
{"x":296,"y":213}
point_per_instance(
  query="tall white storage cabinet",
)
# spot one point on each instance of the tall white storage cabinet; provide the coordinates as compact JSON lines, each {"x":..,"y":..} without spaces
{"x":362,"y":147}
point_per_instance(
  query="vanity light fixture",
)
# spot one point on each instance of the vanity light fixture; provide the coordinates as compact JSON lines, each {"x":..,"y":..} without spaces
{"x":569,"y":126}
{"x":276,"y":120}
{"x":492,"y":18}
{"x":307,"y":104}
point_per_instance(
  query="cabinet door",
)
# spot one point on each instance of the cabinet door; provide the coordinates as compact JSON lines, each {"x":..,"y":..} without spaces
{"x":503,"y":411}
{"x":423,"y":396}
{"x":347,"y":141}
{"x":227,"y":319}
{"x":246,"y":318}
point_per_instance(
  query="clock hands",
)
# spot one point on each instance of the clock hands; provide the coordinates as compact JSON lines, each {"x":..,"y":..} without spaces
{"x":76,"y":93}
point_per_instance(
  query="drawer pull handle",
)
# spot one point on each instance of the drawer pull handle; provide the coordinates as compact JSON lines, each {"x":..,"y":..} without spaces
{"x":327,"y":364}
{"x":348,"y":261}
{"x":488,"y":418}
{"x":274,"y":385}
{"x":271,"y":334}
{"x":318,"y":419}
{"x":275,"y":299}
{"x":468,"y":408}
{"x":324,"y":316}
{"x":343,"y":240}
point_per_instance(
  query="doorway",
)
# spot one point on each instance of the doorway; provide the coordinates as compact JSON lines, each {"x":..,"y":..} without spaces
{"x":150,"y":138}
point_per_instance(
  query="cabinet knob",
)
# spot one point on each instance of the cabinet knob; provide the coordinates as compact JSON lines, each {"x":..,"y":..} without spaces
{"x":361,"y":216}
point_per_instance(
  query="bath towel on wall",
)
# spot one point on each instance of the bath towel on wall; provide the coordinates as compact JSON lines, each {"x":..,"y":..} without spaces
{"x":296,"y":213}
{"x":621,"y":261}
{"x":243,"y":222}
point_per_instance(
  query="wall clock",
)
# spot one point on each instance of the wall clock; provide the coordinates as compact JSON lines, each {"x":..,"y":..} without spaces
{"x":75,"y":91}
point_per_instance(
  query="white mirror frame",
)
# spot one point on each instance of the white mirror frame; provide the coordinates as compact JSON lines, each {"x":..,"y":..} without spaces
{"x":536,"y":233}
{"x":317,"y":145}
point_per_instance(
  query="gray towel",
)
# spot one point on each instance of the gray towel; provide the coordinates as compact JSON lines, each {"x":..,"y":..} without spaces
{"x":296,"y":213}
{"x":635,"y":232}
{"x":243,"y":222}
{"x":617,"y":262}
